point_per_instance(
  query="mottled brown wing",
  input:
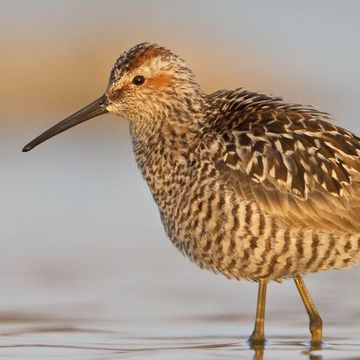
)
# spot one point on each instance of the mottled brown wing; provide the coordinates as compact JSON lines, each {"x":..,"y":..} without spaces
{"x":295,"y":165}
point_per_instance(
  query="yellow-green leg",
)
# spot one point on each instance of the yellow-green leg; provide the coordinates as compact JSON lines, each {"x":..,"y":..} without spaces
{"x":258,"y":335}
{"x":314,"y":317}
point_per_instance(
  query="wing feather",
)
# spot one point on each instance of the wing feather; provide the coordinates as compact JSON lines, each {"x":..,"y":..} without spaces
{"x":289,"y":160}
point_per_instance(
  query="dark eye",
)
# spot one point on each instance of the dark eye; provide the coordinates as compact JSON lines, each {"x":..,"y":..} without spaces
{"x":138,"y":80}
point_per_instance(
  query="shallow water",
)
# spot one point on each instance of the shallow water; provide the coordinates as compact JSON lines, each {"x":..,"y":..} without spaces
{"x":39,"y":338}
{"x":86,"y":271}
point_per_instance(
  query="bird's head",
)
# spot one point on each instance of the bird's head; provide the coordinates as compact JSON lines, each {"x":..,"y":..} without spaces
{"x":147,"y":83}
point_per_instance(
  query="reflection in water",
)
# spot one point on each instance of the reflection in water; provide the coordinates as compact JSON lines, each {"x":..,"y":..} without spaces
{"x":312,"y":352}
{"x":157,"y":352}
{"x":258,"y":352}
{"x":38,"y":336}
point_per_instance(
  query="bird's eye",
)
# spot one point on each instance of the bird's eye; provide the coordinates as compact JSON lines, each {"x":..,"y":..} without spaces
{"x":138,"y":80}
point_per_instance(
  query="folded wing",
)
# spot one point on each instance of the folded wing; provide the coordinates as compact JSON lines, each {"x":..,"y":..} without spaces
{"x":289,"y":159}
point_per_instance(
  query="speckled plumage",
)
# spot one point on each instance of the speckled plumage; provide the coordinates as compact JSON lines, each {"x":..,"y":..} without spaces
{"x":247,"y":185}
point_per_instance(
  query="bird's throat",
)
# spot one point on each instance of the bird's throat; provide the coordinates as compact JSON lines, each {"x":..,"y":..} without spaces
{"x":163,"y":153}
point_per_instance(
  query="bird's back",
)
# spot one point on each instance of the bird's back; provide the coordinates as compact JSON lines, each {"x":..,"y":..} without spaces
{"x":289,"y":159}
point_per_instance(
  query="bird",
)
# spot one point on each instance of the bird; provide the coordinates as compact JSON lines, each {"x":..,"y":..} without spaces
{"x":248,"y":185}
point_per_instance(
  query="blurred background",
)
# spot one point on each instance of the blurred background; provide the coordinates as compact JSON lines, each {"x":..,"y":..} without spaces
{"x":82,"y":246}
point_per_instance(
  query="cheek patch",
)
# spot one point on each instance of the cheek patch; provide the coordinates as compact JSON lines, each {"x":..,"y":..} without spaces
{"x":159,"y":81}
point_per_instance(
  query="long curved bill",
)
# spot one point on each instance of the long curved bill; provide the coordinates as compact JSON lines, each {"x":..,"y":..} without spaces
{"x":94,"y":109}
